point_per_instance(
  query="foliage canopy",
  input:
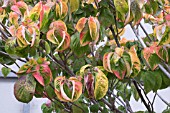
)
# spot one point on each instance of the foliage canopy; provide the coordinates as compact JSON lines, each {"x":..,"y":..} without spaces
{"x":59,"y":42}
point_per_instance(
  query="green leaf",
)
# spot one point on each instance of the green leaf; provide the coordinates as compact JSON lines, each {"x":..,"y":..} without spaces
{"x":24,"y":88}
{"x":135,"y":93}
{"x":166,"y":37}
{"x":5,"y":71}
{"x":149,"y":81}
{"x":76,"y":109}
{"x":50,"y":91}
{"x":136,"y":11}
{"x":94,"y":108}
{"x":106,"y":17}
{"x":166,"y":110}
{"x":101,"y":85}
{"x":121,"y":6}
{"x":158,"y":79}
{"x":47,"y":47}
{"x":46,"y":109}
{"x":154,"y":60}
{"x":76,"y":47}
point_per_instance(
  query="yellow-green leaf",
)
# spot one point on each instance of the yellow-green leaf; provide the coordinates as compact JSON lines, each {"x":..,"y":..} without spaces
{"x":101,"y":85}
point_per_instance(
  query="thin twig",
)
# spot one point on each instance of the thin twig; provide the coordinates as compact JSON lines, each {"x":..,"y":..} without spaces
{"x":163,"y":100}
{"x":145,"y":32}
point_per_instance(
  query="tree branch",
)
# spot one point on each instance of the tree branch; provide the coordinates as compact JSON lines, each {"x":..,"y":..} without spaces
{"x":114,"y":35}
{"x":141,"y":96}
{"x":145,"y":32}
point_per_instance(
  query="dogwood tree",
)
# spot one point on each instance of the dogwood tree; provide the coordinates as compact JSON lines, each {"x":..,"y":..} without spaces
{"x":59,"y":42}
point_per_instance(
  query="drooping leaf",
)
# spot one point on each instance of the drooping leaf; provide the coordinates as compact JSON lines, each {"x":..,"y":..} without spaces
{"x":135,"y":61}
{"x":61,"y":9}
{"x":76,"y":47}
{"x":81,"y":24}
{"x":35,"y":11}
{"x":101,"y":85}
{"x":94,"y":28}
{"x":74,"y":5}
{"x":136,"y":11}
{"x":106,"y":61}
{"x":24,"y":88}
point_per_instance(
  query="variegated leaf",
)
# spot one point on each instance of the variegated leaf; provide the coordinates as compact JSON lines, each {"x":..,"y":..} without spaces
{"x":101,"y":84}
{"x":136,"y":65}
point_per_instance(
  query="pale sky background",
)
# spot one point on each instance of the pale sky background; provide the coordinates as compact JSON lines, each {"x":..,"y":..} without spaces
{"x":8,"y":103}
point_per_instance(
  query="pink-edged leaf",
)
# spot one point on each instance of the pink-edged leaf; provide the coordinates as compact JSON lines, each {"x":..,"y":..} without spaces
{"x":20,"y":34}
{"x":85,"y":37}
{"x":78,"y":88}
{"x":44,"y":15}
{"x":12,"y":30}
{"x":13,"y":18}
{"x":89,"y":84}
{"x":106,"y":61}
{"x":35,"y":11}
{"x":65,"y":43}
{"x":59,"y":26}
{"x":38,"y":76}
{"x":94,"y":28}
{"x":119,"y":75}
{"x":136,"y":65}
{"x":81,"y":24}
{"x":63,"y":94}
{"x":16,"y":9}
{"x":51,"y":37}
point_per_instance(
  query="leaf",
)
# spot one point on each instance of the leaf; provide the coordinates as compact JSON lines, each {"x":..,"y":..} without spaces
{"x":24,"y":88}
{"x":50,"y":92}
{"x":149,"y":81}
{"x":89,"y":84}
{"x":154,"y":60}
{"x":136,"y":11}
{"x":85,"y":37}
{"x":121,"y":6}
{"x":65,"y":92}
{"x":5,"y":71}
{"x":166,"y":37}
{"x":47,"y":47}
{"x":76,"y":47}
{"x":94,"y":108}
{"x":34,"y":14}
{"x":94,"y":28}
{"x":74,"y":5}
{"x":106,"y":61}
{"x":135,"y":93}
{"x":44,"y":16}
{"x":81,"y":24}
{"x":61,"y":9}
{"x":158,"y":79}
{"x":76,"y":109}
{"x":43,"y":74}
{"x":136,"y":65}
{"x":101,"y":85}
{"x":106,"y":17}
{"x":128,"y":62}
